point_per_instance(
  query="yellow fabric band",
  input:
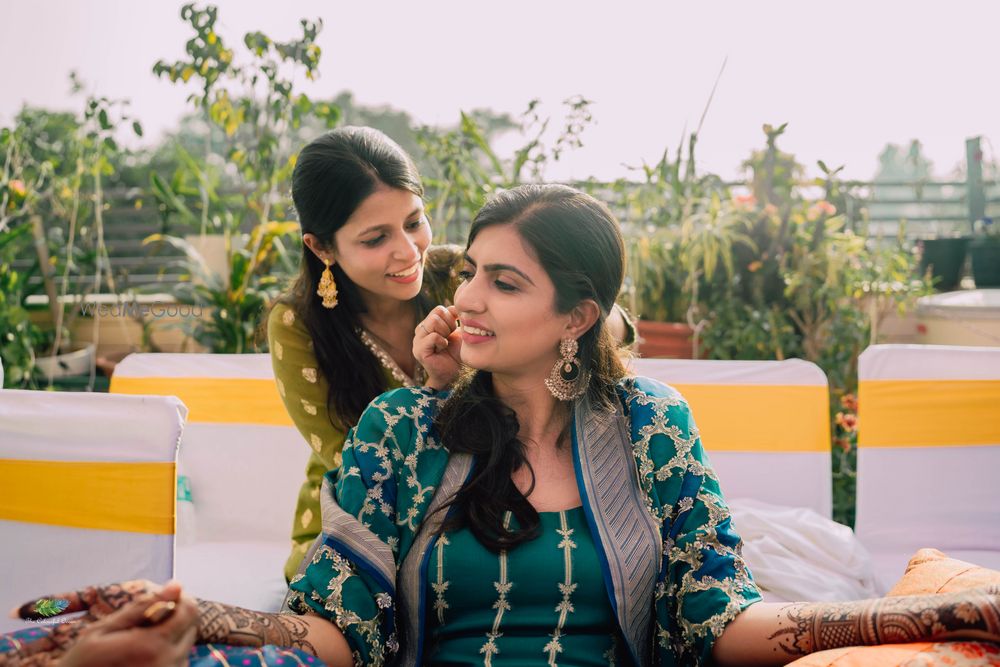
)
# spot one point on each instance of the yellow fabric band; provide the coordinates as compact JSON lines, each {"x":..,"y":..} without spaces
{"x":928,"y":413}
{"x":217,"y":400}
{"x":760,"y":418}
{"x":133,"y":497}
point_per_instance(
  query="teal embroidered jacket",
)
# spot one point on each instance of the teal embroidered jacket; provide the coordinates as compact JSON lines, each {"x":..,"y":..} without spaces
{"x":670,"y":558}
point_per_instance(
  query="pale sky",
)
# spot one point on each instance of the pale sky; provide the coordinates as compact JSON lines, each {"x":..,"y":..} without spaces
{"x":848,"y":76}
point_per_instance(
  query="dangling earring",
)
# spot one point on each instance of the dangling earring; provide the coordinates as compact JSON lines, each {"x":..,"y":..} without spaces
{"x":327,"y":287}
{"x":568,"y":380}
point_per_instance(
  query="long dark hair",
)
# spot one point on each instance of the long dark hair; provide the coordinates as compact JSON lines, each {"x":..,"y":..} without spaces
{"x":579,"y":244}
{"x":333,"y":175}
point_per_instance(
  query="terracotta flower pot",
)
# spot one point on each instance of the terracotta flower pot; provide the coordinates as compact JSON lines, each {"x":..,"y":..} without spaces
{"x":664,"y":340}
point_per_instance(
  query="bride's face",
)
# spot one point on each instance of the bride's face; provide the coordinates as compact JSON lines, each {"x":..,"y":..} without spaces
{"x":507,"y":307}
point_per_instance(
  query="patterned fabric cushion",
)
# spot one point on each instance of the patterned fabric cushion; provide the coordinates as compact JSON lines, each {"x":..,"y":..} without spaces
{"x":930,"y":571}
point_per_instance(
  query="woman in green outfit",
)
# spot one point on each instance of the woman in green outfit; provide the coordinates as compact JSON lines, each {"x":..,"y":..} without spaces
{"x":549,"y":509}
{"x":366,"y":238}
{"x":344,"y":333}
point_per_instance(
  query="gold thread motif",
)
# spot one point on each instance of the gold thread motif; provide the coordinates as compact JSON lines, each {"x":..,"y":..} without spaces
{"x":441,"y":585}
{"x":565,"y":607}
{"x":490,"y":648}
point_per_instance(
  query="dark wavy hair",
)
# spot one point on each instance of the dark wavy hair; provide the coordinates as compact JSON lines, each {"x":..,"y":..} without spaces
{"x":333,"y":175}
{"x":579,"y":244}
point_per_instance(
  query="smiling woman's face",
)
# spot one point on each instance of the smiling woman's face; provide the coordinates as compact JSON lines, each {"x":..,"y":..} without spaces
{"x":506,"y":304}
{"x":381,"y":246}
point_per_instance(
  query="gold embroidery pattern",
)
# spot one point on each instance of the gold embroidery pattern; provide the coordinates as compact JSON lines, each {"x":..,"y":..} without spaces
{"x":441,"y":585}
{"x":310,"y":375}
{"x":565,"y":607}
{"x":389,"y":449}
{"x":667,"y":451}
{"x":490,"y":648}
{"x":288,"y":318}
{"x":346,"y":618}
{"x":611,"y":655}
{"x":388,"y":362}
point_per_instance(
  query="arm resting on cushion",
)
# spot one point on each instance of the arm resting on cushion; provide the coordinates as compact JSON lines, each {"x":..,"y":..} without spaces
{"x":774,"y":634}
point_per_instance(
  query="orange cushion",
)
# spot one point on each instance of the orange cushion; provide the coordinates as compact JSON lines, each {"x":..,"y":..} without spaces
{"x":921,"y":654}
{"x":928,"y":572}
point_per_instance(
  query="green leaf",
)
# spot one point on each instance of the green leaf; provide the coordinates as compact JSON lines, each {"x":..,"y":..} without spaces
{"x":137,"y":128}
{"x":51,"y":607}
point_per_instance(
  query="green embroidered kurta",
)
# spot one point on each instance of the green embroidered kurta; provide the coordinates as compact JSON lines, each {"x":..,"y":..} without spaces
{"x":669,"y":557}
{"x":304,"y":391}
{"x":543,"y":603}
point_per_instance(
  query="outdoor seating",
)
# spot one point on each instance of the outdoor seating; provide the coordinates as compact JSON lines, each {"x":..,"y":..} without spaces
{"x":765,"y":425}
{"x":245,"y":463}
{"x":928,"y":454}
{"x":87,"y":491}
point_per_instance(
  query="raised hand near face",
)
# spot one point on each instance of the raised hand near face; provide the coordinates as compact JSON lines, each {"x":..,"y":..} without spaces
{"x":437,"y":344}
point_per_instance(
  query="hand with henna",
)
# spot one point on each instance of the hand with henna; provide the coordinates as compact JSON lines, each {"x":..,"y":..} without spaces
{"x":96,"y":601}
{"x":152,"y":629}
{"x":214,"y":623}
{"x":774,"y":634}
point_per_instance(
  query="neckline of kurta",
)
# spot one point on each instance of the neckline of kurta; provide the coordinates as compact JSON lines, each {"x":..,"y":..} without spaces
{"x":388,"y":363}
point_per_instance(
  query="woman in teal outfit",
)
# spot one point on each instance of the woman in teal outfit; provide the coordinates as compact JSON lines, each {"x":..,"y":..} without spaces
{"x":549,"y":509}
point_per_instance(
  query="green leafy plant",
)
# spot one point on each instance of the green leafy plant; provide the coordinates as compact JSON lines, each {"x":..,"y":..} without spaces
{"x":52,"y":193}
{"x":232,"y":304}
{"x":254,"y":104}
{"x":803,"y":285}
{"x":466,"y":169}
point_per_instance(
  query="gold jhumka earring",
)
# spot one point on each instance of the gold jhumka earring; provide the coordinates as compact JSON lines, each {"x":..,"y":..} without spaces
{"x":327,"y":287}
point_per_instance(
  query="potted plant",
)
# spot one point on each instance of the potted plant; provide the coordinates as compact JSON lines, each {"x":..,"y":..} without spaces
{"x":663,"y":218}
{"x":228,"y":307}
{"x":54,"y":168}
{"x":653,"y":292}
{"x":985,"y":252}
{"x":943,"y":259}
